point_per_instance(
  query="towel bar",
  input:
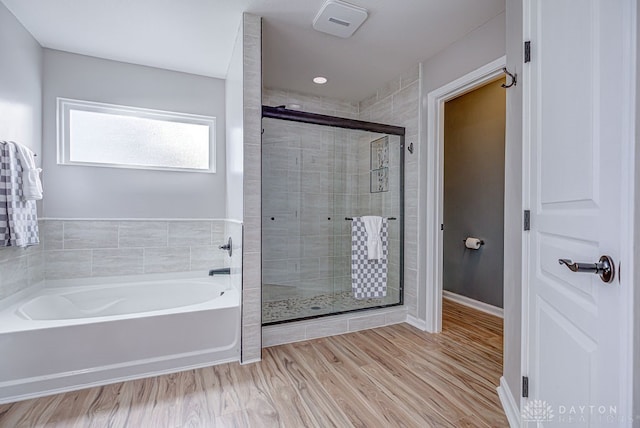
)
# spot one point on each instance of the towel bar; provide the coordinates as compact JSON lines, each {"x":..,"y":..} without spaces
{"x":388,"y":218}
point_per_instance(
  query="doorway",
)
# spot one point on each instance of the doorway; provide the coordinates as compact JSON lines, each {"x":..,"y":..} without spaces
{"x":473,"y":197}
{"x":436,"y":101}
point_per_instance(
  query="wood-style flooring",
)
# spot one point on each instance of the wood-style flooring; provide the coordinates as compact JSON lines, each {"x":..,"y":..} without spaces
{"x":386,"y":377}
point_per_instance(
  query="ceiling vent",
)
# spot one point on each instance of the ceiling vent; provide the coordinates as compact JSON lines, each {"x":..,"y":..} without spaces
{"x":339,"y":18}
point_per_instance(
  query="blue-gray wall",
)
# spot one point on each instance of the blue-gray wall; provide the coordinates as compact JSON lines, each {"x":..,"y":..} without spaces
{"x":474,"y":136}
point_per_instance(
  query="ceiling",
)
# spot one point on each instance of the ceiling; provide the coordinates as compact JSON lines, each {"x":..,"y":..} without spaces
{"x":197,"y":36}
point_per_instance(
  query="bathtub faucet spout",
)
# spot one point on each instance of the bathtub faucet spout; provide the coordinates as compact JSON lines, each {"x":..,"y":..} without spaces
{"x":221,"y":271}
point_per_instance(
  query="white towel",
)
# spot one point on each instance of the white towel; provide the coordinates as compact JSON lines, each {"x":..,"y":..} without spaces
{"x":18,"y":217}
{"x":368,"y":277}
{"x":373,"y":226}
{"x":31,"y":183}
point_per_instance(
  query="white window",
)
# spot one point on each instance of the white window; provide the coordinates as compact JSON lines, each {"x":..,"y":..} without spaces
{"x":108,"y":135}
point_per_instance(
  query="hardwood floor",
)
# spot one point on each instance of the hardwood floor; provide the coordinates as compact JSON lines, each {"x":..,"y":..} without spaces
{"x":386,"y":377}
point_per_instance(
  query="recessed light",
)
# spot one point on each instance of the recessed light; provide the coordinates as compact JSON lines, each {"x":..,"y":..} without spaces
{"x":320,"y":80}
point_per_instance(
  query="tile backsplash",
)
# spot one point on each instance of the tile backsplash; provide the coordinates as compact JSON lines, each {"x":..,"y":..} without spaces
{"x":88,"y":248}
{"x":20,"y":268}
{"x":102,"y":248}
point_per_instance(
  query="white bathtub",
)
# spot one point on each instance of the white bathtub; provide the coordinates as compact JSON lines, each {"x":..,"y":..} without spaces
{"x":72,"y":336}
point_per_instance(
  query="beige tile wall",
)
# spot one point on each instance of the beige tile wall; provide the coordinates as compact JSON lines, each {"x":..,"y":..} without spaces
{"x":96,"y":248}
{"x":251,"y":263}
{"x":20,"y":268}
{"x":397,"y":103}
{"x":311,"y":103}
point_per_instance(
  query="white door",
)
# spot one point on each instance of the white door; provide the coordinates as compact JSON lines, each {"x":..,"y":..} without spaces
{"x":578,"y":100}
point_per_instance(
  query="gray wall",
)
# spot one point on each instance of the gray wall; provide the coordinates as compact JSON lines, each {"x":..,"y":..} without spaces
{"x":636,"y":294}
{"x":20,"y":83}
{"x":513,"y":206}
{"x":234,"y":130}
{"x":90,"y":192}
{"x":474,"y":127}
{"x":478,"y":48}
{"x":21,"y":121}
{"x":234,"y":108}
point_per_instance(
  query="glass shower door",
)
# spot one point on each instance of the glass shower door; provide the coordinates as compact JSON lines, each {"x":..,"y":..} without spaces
{"x":314,"y":180}
{"x":367,"y":182}
{"x":297,"y":237}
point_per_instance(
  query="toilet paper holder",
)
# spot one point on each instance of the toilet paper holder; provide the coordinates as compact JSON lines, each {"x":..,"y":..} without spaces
{"x":465,"y":240}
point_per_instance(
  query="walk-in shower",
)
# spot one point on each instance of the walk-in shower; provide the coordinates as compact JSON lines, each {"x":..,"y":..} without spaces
{"x":318,"y":173}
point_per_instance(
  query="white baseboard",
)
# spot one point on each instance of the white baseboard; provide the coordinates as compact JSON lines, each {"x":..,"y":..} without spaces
{"x":509,"y":404}
{"x":417,"y":322}
{"x":475,"y":304}
{"x":251,"y":361}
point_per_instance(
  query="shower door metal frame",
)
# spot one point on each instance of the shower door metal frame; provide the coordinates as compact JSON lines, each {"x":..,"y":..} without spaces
{"x":283,"y":113}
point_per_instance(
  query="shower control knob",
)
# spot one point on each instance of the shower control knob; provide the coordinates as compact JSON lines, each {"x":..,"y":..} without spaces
{"x":227,"y":247}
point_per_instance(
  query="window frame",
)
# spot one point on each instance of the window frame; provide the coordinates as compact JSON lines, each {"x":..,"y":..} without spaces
{"x":65,"y":105}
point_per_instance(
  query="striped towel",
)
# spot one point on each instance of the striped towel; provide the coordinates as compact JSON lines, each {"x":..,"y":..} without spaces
{"x":18,"y":218}
{"x":368,"y":276}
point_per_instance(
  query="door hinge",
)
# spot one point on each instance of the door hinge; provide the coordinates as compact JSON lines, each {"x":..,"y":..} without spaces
{"x":525,"y":387}
{"x":441,"y":226}
{"x":527,"y":51}
{"x":527,"y":220}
